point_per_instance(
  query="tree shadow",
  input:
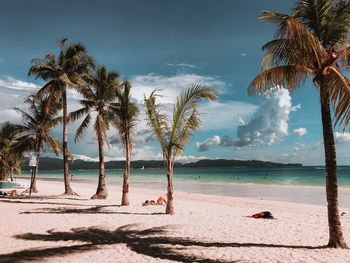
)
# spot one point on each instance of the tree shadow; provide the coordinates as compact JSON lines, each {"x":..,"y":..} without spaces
{"x":18,"y":201}
{"x":154,"y":242}
{"x":41,"y":197}
{"x":98,"y":209}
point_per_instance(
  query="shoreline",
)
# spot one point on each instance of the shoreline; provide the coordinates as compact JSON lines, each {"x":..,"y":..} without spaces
{"x":313,"y":195}
{"x":205,"y":228}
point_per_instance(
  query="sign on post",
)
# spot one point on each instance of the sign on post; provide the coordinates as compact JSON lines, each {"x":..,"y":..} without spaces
{"x":33,"y":159}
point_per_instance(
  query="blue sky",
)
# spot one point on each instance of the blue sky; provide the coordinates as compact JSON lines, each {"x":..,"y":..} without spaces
{"x":169,"y":45}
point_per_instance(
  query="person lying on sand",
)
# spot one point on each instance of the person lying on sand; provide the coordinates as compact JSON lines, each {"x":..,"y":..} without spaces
{"x":160,"y":201}
{"x":263,"y":215}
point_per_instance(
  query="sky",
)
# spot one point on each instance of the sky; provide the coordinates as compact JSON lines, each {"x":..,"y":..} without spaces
{"x":169,"y":45}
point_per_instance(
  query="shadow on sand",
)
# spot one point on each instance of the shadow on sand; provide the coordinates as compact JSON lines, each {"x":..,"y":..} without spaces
{"x":98,"y":209}
{"x":153,"y":242}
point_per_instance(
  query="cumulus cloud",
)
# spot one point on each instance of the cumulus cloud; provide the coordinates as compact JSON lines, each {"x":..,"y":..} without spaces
{"x":341,"y":137}
{"x":268,"y":125}
{"x":208,"y":144}
{"x":300,"y":132}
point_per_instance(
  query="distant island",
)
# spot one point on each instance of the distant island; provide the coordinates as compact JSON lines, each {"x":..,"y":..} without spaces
{"x":56,"y":164}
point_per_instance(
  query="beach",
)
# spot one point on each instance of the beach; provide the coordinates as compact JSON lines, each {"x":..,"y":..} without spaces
{"x":205,"y":228}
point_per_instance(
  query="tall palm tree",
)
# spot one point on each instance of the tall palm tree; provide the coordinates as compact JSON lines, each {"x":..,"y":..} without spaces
{"x":312,"y":42}
{"x":67,"y":70}
{"x":98,"y":99}
{"x":10,"y":153}
{"x":174,"y":136}
{"x":125,"y":117}
{"x":38,"y":122}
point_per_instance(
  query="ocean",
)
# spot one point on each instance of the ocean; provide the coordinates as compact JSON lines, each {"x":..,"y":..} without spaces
{"x":303,"y":176}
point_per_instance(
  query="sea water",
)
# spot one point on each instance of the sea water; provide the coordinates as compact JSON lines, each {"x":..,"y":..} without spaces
{"x":302,"y":176}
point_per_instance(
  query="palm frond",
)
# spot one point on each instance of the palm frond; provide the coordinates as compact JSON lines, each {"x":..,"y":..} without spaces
{"x":185,"y":103}
{"x":54,"y":144}
{"x":82,"y":128}
{"x":290,"y":76}
{"x":77,"y":114}
{"x":192,"y":124}
{"x":156,"y":120}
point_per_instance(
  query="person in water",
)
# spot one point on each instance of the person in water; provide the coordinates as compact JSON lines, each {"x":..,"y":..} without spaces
{"x":160,"y":201}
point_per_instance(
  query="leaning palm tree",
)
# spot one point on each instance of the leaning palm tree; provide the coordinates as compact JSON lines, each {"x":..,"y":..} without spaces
{"x":312,"y":43}
{"x":125,"y":117}
{"x":40,"y":119}
{"x":67,"y":70}
{"x":174,"y":137}
{"x":98,"y":99}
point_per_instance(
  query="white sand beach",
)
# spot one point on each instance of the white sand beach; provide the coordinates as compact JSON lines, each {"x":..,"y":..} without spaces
{"x":51,"y":228}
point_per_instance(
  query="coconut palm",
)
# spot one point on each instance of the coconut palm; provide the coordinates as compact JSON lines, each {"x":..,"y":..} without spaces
{"x":312,"y":43}
{"x":125,"y":117}
{"x":98,"y":99}
{"x":40,"y":119}
{"x":10,"y":154}
{"x":174,"y":136}
{"x":67,"y":70}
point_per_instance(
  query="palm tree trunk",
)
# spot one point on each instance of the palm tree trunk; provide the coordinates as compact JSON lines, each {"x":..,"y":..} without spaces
{"x":101,"y":192}
{"x":125,"y":196}
{"x":67,"y":188}
{"x":170,"y":190}
{"x":336,"y":238}
{"x":36,"y":169}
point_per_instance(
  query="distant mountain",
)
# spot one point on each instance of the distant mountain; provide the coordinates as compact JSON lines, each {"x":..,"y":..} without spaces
{"x":56,"y":164}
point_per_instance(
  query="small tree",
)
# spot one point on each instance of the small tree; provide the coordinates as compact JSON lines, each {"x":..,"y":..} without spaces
{"x":174,"y":137}
{"x":125,"y":117}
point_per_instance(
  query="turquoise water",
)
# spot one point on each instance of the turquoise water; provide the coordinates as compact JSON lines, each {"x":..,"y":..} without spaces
{"x":307,"y":176}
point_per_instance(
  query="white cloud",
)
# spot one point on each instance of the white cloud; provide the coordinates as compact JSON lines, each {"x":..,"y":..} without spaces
{"x":270,"y":122}
{"x":170,"y":86}
{"x":190,"y":158}
{"x":84,"y":158}
{"x":225,"y":114}
{"x":243,"y":54}
{"x":341,"y":137}
{"x":300,"y":132}
{"x":181,"y":65}
{"x":208,"y":144}
{"x":15,"y":84}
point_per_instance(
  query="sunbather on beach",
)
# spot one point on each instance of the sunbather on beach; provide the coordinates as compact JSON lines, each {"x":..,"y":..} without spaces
{"x":160,"y":201}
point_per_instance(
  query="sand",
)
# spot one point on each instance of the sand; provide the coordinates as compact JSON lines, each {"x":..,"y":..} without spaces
{"x":51,"y":228}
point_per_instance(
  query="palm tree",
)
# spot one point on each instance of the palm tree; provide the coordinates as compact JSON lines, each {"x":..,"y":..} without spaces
{"x":174,"y":137}
{"x":125,"y":113}
{"x":98,"y":98}
{"x":38,"y":122}
{"x":10,"y":153}
{"x":67,"y":70}
{"x":312,"y":43}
